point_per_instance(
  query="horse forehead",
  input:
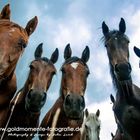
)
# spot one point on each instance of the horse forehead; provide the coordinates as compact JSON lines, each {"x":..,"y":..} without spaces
{"x":11,"y":31}
{"x":12,"y":28}
{"x":93,"y":119}
{"x":46,"y":65}
{"x":74,"y":65}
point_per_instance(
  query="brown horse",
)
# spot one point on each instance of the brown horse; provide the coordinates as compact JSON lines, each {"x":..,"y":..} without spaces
{"x":126,"y":109}
{"x":13,"y":40}
{"x":71,"y":101}
{"x":31,"y":98}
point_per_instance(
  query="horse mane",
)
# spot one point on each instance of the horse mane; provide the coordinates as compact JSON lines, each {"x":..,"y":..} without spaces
{"x":113,"y":33}
{"x":74,"y":59}
{"x":114,"y":79}
{"x":90,"y":116}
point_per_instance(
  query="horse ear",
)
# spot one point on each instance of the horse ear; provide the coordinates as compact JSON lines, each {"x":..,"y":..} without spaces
{"x":137,"y":51}
{"x":86,"y":112}
{"x":112,"y":98}
{"x":122,"y":26}
{"x":98,"y":113}
{"x":67,"y":52}
{"x":5,"y":13}
{"x":54,"y":56}
{"x":105,"y":28}
{"x":38,"y":51}
{"x":85,"y":54}
{"x":31,"y":25}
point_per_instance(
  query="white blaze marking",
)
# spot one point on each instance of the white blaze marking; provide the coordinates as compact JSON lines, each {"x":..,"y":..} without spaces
{"x":12,"y":30}
{"x":74,"y":65}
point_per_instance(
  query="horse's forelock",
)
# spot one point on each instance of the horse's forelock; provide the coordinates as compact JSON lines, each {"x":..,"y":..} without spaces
{"x":7,"y":23}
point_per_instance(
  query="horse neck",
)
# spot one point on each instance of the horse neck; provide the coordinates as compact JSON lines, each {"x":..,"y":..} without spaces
{"x":83,"y":130}
{"x":24,"y":118}
{"x":7,"y":90}
{"x":21,"y":95}
{"x":125,"y":87}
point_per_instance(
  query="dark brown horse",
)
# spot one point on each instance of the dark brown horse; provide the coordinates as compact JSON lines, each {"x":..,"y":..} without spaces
{"x":13,"y":40}
{"x":71,"y":101}
{"x":126,"y":108}
{"x":31,"y":98}
{"x":137,"y":51}
{"x":119,"y":135}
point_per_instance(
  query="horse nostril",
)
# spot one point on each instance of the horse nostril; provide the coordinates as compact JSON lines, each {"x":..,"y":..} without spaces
{"x":29,"y":94}
{"x":116,"y":68}
{"x":67,"y":100}
{"x":82,"y":105}
{"x":44,"y":96}
{"x":129,"y":66}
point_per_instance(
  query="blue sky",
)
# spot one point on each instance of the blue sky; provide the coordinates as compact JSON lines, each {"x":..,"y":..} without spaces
{"x":78,"y":22}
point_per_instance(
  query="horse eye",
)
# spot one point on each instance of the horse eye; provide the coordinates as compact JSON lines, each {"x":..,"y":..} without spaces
{"x":63,"y":71}
{"x":86,"y":126}
{"x":98,"y":127}
{"x":53,"y":73}
{"x":88,"y":72}
{"x":22,"y":43}
{"x":31,"y":67}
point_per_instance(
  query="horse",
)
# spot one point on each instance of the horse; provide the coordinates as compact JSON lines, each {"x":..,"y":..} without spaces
{"x":71,"y":102}
{"x":126,"y":109}
{"x":13,"y":41}
{"x":31,"y":98}
{"x":119,"y":135}
{"x":137,"y":51}
{"x":91,"y":126}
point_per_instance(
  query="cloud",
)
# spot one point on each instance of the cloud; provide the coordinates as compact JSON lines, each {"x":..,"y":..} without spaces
{"x":75,"y":26}
{"x":134,"y":32}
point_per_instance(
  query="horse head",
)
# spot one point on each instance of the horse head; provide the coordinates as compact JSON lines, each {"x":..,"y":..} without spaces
{"x":42,"y":70}
{"x":73,"y":84}
{"x":91,"y":126}
{"x":13,"y":41}
{"x":116,"y":43}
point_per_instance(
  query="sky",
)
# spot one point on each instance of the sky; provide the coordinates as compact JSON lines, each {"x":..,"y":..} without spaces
{"x":78,"y":22}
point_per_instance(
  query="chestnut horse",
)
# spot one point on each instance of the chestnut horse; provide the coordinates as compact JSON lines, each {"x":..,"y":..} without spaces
{"x":71,"y":102}
{"x":91,"y":126}
{"x":126,"y":109}
{"x":31,"y":98}
{"x":13,"y":41}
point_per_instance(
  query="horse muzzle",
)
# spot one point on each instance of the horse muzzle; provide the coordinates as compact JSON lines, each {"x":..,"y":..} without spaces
{"x":123,"y":71}
{"x":74,"y":106}
{"x":35,"y":100}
